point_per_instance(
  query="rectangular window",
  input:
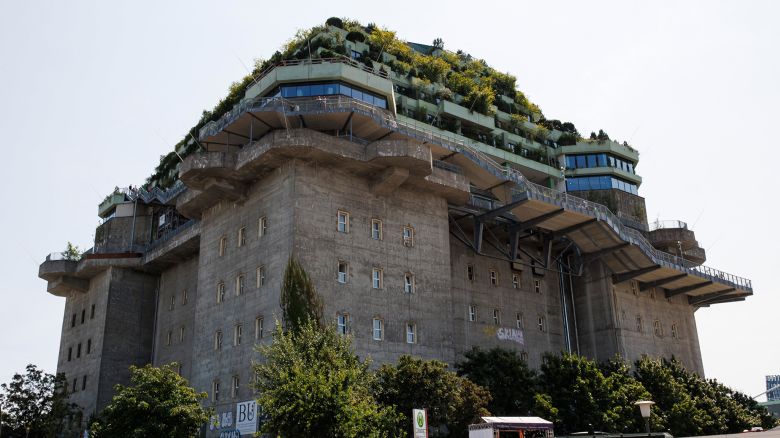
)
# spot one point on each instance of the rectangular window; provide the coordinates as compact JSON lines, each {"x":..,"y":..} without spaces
{"x":638,"y":323}
{"x":74,"y":384}
{"x":376,"y":278}
{"x":218,"y":340}
{"x":241,"y":236}
{"x":541,"y":323}
{"x":78,"y":351}
{"x":70,"y":353}
{"x":519,"y":320}
{"x":92,"y":312}
{"x":168,"y":338}
{"x":376,"y":229}
{"x":408,"y":283}
{"x":172,"y":302}
{"x":496,"y":317}
{"x":262,"y":226}
{"x":181,"y":334}
{"x":73,"y":321}
{"x":240,"y":284}
{"x":84,"y":382}
{"x":470,"y":272}
{"x":89,"y":346}
{"x":220,"y":292}
{"x":215,"y":391}
{"x":234,"y":387}
{"x":342,"y":321}
{"x":408,"y":236}
{"x":472,"y":313}
{"x":237,"y":335}
{"x":83,"y":315}
{"x":378,"y":329}
{"x":657,"y":329}
{"x":259,"y":328}
{"x":184,"y":297}
{"x":515,"y":281}
{"x":537,"y":286}
{"x":493,"y":277}
{"x":178,"y":368}
{"x":634,"y":287}
{"x":222,"y":245}
{"x":411,"y":333}
{"x":674,"y":331}
{"x":343,"y":222}
{"x":342,"y":272}
{"x":260,"y":277}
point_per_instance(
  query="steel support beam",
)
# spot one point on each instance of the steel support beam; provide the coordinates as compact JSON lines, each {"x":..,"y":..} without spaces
{"x":661,"y":282}
{"x":524,"y":225}
{"x":590,"y":256}
{"x":500,"y":210}
{"x":701,"y":299}
{"x":260,"y":120}
{"x":682,"y":290}
{"x":623,"y":276}
{"x":721,"y":301}
{"x":575,"y":227}
{"x":479,"y":229}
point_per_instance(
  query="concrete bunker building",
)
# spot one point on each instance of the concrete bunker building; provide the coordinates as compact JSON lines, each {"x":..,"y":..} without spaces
{"x":427,"y":227}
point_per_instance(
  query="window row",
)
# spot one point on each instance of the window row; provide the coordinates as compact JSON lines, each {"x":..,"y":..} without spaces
{"x":172,"y":299}
{"x":74,"y":318}
{"x":342,"y":226}
{"x":494,"y":280}
{"x":240,"y":284}
{"x":343,"y":327}
{"x":74,"y":388}
{"x":658,"y":329}
{"x":586,"y":161}
{"x":377,"y":277}
{"x":78,"y":350}
{"x":329,"y":89}
{"x":262,"y":230}
{"x":235,"y":385}
{"x":169,"y":336}
{"x":600,"y":183}
{"x":238,"y":333}
{"x":541,"y":320}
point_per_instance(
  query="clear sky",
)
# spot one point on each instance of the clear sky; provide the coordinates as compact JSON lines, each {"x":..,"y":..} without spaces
{"x":92,"y":93}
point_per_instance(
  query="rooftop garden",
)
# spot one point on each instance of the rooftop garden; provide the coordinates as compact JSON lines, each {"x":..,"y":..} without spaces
{"x":428,"y":73}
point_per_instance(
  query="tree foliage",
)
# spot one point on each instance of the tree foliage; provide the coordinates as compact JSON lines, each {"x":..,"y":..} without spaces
{"x":34,"y":403}
{"x":452,"y":401}
{"x":300,"y":301}
{"x":312,"y":384}
{"x":71,"y":252}
{"x":512,"y":384}
{"x":157,"y":403}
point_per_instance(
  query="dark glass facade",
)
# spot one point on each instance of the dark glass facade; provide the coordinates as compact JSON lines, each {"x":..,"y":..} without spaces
{"x":771,"y":382}
{"x":585,"y":161}
{"x":329,"y":89}
{"x":599,"y":183}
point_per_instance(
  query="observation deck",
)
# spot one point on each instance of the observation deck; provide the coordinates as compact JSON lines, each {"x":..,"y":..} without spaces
{"x":596,"y":232}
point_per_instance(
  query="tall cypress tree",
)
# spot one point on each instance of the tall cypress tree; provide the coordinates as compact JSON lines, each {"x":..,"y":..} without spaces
{"x":300,"y":301}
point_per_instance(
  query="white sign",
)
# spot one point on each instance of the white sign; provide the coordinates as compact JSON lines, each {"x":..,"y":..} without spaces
{"x":246,"y":417}
{"x":420,"y":423}
{"x":510,"y":334}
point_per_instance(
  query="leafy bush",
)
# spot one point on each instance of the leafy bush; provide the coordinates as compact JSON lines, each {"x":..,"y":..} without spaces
{"x":335,"y":22}
{"x":356,"y":36}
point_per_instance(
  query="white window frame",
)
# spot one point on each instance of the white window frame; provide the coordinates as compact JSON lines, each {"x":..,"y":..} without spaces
{"x":376,"y":229}
{"x":262,"y":226}
{"x":408,"y":236}
{"x":240,"y":280}
{"x":408,"y":283}
{"x":377,"y":329}
{"x":472,"y":313}
{"x":376,"y":278}
{"x":342,"y":323}
{"x":411,"y":333}
{"x":260,"y":276}
{"x":241,"y":237}
{"x":342,"y":276}
{"x":342,"y":222}
{"x":259,"y":329}
{"x":220,"y":292}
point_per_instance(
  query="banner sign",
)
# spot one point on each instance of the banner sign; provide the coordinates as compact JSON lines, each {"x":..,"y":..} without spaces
{"x":246,"y":417}
{"x":420,"y":423}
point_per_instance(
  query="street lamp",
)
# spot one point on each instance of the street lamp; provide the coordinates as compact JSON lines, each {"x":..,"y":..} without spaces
{"x":644,"y":409}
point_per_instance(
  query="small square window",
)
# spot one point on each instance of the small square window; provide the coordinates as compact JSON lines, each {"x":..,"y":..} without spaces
{"x":537,"y":286}
{"x":376,"y":278}
{"x":378,"y":329}
{"x":343,"y":222}
{"x":408,"y":235}
{"x":241,"y":237}
{"x":342,"y":323}
{"x":222,"y":245}
{"x":493,"y":277}
{"x":220,"y":292}
{"x":411,"y":333}
{"x":515,"y":281}
{"x":260,"y":277}
{"x":376,"y":229}
{"x":343,"y":269}
{"x":262,"y":226}
{"x":408,"y":283}
{"x":470,"y":272}
{"x":259,"y":328}
{"x":240,"y":284}
{"x":496,"y":317}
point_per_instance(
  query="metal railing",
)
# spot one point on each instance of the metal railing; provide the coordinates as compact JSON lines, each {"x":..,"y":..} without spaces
{"x":170,"y":234}
{"x":146,"y":196}
{"x":423,"y":132}
{"x":454,"y":168}
{"x":660,"y":225}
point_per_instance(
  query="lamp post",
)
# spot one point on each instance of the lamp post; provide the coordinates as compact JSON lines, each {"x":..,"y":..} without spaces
{"x":644,"y":409}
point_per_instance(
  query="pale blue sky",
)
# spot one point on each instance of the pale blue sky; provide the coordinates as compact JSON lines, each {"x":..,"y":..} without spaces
{"x":92,"y":93}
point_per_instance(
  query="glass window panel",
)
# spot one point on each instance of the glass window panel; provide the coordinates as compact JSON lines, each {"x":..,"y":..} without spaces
{"x":571,"y":162}
{"x":367,"y":98}
{"x":343,"y":89}
{"x":630,"y":168}
{"x":591,"y":161}
{"x":303,"y":91}
{"x":317,"y":90}
{"x":602,"y":160}
{"x":580,"y":161}
{"x":611,"y":161}
{"x":357,"y":94}
{"x":288,"y":91}
{"x":606,"y":182}
{"x":380,"y":102}
{"x":614,"y":183}
{"x":330,"y":89}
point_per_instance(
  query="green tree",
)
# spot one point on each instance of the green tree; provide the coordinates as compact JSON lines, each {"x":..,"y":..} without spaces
{"x":622,"y":415}
{"x":501,"y":371}
{"x":312,"y":384}
{"x":34,"y":404}
{"x":71,"y":252}
{"x":300,"y":301}
{"x":452,"y":401}
{"x":157,"y":403}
